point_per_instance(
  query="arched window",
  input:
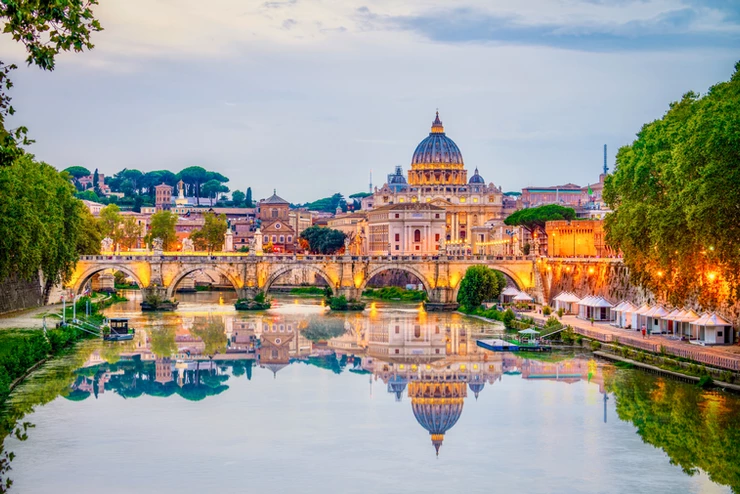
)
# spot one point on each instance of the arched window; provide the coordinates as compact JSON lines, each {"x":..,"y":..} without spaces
{"x":282,"y":239}
{"x":417,"y":329}
{"x":274,"y":213}
{"x":266,"y":239}
{"x":417,"y":235}
{"x":274,"y":239}
{"x":290,"y":239}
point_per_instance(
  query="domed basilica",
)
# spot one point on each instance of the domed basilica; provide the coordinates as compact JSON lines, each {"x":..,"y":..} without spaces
{"x":438,"y":177}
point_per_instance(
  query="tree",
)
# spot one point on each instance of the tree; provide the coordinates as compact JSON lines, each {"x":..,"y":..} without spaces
{"x":212,"y":188}
{"x":45,"y":29}
{"x":322,"y":240}
{"x":130,"y":232}
{"x":328,"y":204}
{"x":237,"y":197}
{"x":534,"y":219}
{"x":96,"y":182}
{"x":675,"y":193}
{"x":77,"y":172}
{"x":194,"y":176}
{"x":134,"y":177}
{"x":110,"y":222}
{"x":40,"y":222}
{"x":248,"y":200}
{"x":479,"y":284}
{"x":162,"y":225}
{"x":88,"y":240}
{"x":88,"y":195}
{"x":211,"y":236}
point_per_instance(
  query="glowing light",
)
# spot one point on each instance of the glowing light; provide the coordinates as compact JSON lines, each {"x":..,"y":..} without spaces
{"x":660,"y":274}
{"x":413,"y":367}
{"x":401,"y":366}
{"x":711,"y":275}
{"x":372,"y":306}
{"x":429,"y":367}
{"x":590,"y":270}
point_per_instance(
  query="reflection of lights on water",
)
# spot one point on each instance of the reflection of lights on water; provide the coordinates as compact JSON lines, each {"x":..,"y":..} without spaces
{"x":372,"y":306}
{"x":220,"y":300}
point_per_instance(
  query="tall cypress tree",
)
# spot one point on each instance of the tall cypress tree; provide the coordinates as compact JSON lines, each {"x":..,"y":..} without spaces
{"x":248,"y":200}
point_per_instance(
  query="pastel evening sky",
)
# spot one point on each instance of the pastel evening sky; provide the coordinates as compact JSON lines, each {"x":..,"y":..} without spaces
{"x":308,"y":96}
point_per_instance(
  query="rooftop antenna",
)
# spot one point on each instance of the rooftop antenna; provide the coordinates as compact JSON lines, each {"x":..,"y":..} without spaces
{"x":606,"y":168}
{"x":370,"y":188}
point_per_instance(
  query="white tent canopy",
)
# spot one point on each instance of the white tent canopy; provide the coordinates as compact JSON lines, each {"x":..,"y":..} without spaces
{"x":523,"y":297}
{"x":712,"y":329}
{"x":510,"y":290}
{"x":596,"y":308}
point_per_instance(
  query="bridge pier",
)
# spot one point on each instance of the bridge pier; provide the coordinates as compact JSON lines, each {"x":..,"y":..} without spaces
{"x":349,"y":292}
{"x":442,"y":298}
{"x":158,"y":291}
{"x":248,"y":292}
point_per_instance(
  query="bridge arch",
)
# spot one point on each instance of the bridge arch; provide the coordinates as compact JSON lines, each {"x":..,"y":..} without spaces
{"x":235,"y":282}
{"x":88,"y":273}
{"x":508,"y":274}
{"x":275,"y":275}
{"x":373,"y":272}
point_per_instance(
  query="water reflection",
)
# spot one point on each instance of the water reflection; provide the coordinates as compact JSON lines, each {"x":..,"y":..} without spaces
{"x":428,"y":364}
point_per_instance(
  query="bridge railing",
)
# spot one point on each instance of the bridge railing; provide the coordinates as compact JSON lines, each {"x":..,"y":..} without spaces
{"x":282,"y":258}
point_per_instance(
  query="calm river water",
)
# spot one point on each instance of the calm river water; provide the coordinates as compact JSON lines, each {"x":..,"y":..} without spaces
{"x":294,"y":399}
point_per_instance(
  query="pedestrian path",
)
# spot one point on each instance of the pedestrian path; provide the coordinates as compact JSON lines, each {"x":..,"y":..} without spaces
{"x":721,"y":356}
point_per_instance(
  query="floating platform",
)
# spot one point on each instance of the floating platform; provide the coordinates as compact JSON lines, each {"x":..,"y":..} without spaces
{"x":498,"y":345}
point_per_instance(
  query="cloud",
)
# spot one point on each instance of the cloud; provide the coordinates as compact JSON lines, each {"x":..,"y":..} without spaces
{"x":289,"y":23}
{"x":676,"y":26}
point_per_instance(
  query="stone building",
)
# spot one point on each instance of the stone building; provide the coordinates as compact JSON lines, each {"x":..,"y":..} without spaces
{"x":163,"y":197}
{"x":274,"y":213}
{"x":579,"y":238}
{"x":438,"y":177}
{"x":406,"y":228}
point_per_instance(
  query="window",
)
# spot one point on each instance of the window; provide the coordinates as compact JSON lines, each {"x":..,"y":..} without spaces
{"x":475,"y":199}
{"x":436,"y":330}
{"x":397,"y":350}
{"x":274,"y":213}
{"x":462,"y":199}
{"x":274,"y":239}
{"x":401,"y":199}
{"x":277,"y":226}
{"x":398,"y":330}
{"x":397,"y":247}
{"x":282,"y":239}
{"x":266,"y":239}
{"x":436,"y":216}
{"x":290,"y":239}
{"x":417,"y":331}
{"x":397,"y":215}
{"x":436,"y":350}
{"x":436,"y":237}
{"x":417,"y":235}
{"x":417,"y":247}
{"x":398,"y":237}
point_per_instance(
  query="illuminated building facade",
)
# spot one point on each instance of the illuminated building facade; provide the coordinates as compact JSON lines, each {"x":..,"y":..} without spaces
{"x":438,"y":177}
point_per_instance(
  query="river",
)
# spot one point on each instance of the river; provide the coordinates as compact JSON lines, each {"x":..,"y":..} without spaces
{"x":393,"y":399}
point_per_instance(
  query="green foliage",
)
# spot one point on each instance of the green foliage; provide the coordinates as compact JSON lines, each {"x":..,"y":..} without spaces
{"x":237,"y":197}
{"x":561,"y":311}
{"x":212,"y":188}
{"x":40,"y":221}
{"x":341,"y":303}
{"x":77,"y":172}
{"x":479,"y":284}
{"x":322,"y":240}
{"x":307,"y":290}
{"x":535,"y":218}
{"x":162,"y":225}
{"x":88,"y":195}
{"x":508,"y":319}
{"x":595,"y":345}
{"x":89,"y":237}
{"x":396,"y":293}
{"x":248,"y":203}
{"x":211,"y":236}
{"x":212,"y":331}
{"x":328,"y":204}
{"x":676,"y":196}
{"x":546,"y":310}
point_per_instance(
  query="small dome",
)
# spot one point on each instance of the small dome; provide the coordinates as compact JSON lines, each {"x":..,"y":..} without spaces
{"x":437,"y":148}
{"x":397,"y":178}
{"x":476,"y":387}
{"x":476,"y":178}
{"x":397,"y":385}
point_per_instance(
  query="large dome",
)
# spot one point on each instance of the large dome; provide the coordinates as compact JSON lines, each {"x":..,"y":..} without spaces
{"x":437,"y":148}
{"x":437,"y":160}
{"x":437,"y":406}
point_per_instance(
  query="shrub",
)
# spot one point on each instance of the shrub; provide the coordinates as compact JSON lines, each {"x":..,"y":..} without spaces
{"x":546,"y":311}
{"x":705,"y":382}
{"x":561,"y":311}
{"x":508,"y":319}
{"x":595,"y":345}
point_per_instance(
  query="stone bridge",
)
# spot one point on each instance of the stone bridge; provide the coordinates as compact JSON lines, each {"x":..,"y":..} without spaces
{"x":347,"y":275}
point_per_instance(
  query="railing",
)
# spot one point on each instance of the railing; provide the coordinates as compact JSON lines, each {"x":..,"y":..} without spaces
{"x":240,"y":256}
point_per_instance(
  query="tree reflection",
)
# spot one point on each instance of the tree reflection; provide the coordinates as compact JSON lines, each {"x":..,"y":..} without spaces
{"x":697,"y":429}
{"x":212,"y":331}
{"x":163,"y":341}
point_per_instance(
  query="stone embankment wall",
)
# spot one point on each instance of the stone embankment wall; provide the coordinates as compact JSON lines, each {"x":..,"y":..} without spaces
{"x":610,"y":279}
{"x":17,"y":294}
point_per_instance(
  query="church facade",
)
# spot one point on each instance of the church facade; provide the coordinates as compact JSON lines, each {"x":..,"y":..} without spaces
{"x":438,"y":177}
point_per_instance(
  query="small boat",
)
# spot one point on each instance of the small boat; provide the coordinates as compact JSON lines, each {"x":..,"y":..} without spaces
{"x":118,"y":330}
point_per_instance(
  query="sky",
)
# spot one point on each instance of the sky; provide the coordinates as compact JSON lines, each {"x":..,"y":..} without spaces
{"x":310,"y":96}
